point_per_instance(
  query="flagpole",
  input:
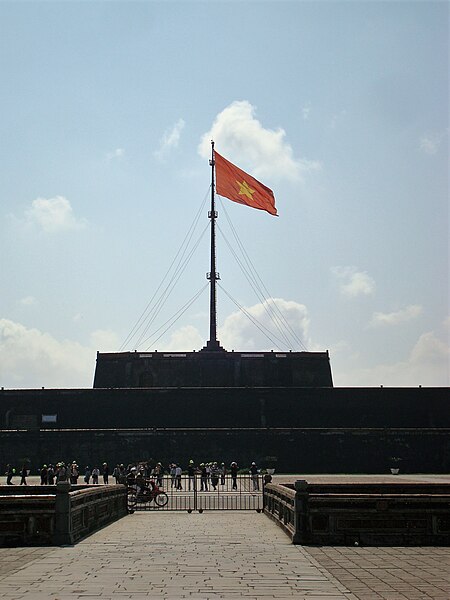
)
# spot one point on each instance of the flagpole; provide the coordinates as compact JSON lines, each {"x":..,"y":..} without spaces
{"x":213,"y":276}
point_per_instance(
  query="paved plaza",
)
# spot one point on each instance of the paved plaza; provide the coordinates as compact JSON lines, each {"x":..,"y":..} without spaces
{"x":227,"y":554}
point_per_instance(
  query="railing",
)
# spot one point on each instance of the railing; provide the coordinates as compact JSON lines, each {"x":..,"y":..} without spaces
{"x":279,"y":504}
{"x":89,"y":509}
{"x":57,"y":515}
{"x":361,"y":514}
{"x":195,"y":493}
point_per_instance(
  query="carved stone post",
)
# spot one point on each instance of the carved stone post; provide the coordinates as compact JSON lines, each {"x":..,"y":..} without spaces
{"x":301,"y":513}
{"x":63,"y":533}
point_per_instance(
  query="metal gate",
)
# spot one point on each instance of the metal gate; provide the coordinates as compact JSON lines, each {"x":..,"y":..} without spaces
{"x":245,"y":492}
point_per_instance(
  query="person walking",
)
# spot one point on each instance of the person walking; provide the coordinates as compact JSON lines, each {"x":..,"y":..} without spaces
{"x":178,"y":473}
{"x":23,"y":474}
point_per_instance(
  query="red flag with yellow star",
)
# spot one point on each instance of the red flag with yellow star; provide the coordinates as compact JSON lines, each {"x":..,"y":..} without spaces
{"x":235,"y":184}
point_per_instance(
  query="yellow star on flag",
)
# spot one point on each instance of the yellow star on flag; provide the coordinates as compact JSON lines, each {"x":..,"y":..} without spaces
{"x":245,"y":189}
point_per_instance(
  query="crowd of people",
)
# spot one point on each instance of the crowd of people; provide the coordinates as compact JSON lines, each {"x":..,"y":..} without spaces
{"x":211,"y":474}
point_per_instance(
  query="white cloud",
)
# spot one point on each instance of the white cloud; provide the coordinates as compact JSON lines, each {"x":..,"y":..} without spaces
{"x":117,"y":153}
{"x":353,"y":282}
{"x":430,"y":350}
{"x":305,"y":112}
{"x":241,"y":138}
{"x":28,"y":301}
{"x":185,"y":339}
{"x":400,"y":316}
{"x":30,"y":358}
{"x":53,"y":215}
{"x":431,"y":142}
{"x":170,"y":139}
{"x":104,"y":340}
{"x":240,"y":333}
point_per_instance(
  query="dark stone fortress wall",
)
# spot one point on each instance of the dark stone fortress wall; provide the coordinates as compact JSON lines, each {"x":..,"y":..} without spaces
{"x":304,"y":429}
{"x":289,"y":450}
{"x":225,"y":407}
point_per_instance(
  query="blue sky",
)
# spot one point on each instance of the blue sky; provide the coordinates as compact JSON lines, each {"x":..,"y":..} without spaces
{"x":106,"y":112}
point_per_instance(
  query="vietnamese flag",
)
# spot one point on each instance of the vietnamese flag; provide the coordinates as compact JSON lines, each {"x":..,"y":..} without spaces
{"x":235,"y":184}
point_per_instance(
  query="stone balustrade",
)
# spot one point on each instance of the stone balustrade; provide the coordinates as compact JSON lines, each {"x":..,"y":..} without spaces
{"x":372,"y":514}
{"x":57,"y":515}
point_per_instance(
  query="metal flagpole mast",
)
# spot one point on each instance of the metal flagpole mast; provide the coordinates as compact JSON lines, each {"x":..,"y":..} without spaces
{"x":213,"y":276}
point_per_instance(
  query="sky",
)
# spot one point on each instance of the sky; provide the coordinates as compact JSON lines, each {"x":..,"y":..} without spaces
{"x":107,"y":110}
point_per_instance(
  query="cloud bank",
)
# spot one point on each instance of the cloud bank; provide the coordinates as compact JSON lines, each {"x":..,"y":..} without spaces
{"x":30,"y":358}
{"x":427,"y":364}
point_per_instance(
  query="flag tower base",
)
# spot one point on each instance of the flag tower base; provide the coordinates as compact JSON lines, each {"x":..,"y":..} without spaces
{"x":213,"y":346}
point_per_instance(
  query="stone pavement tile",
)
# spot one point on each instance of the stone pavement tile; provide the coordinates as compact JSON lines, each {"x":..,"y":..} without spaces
{"x":405,"y":573}
{"x":13,"y":559}
{"x":214,"y":555}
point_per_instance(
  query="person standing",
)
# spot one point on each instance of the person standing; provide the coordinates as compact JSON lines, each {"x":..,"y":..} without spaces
{"x":10,"y":472}
{"x":159,"y":472}
{"x":203,"y":478}
{"x":50,"y":475}
{"x":44,"y":475}
{"x":105,"y":473}
{"x":254,"y":474}
{"x":214,"y":476}
{"x":172,"y":475}
{"x":223,"y":472}
{"x":95,"y":475}
{"x":191,"y":475}
{"x":234,"y":473}
{"x":116,"y":473}
{"x":74,"y":473}
{"x":61,"y":472}
{"x":87,"y":475}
